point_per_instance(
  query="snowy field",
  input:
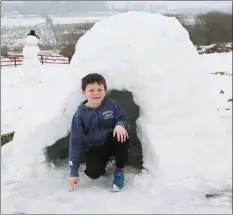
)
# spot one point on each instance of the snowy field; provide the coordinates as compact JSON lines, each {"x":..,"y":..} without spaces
{"x":79,"y":18}
{"x":186,"y":141}
{"x":62,"y":19}
{"x":19,"y":21}
{"x":22,"y":20}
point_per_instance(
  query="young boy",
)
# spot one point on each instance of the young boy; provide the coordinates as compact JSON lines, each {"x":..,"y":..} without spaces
{"x":103,"y":121}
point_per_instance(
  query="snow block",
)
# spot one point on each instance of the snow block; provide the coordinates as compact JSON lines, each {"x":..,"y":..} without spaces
{"x":59,"y":150}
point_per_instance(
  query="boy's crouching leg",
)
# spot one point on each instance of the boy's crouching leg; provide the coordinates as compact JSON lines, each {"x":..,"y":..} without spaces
{"x":121,"y":152}
{"x":95,"y":163}
{"x":121,"y":157}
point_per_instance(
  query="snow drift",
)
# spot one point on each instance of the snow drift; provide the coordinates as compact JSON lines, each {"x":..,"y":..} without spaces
{"x":221,"y":78}
{"x":151,"y":56}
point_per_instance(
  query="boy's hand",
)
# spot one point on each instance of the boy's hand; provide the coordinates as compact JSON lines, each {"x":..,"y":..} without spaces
{"x":73,"y":182}
{"x":121,"y":133}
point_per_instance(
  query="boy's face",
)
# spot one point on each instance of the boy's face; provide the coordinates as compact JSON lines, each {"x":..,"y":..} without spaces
{"x":95,"y":93}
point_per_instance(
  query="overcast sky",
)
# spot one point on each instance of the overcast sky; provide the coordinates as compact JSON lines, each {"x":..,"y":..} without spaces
{"x":84,"y":6}
{"x":180,"y":4}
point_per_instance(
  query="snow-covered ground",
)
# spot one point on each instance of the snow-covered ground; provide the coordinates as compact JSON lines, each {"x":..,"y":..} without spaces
{"x":218,"y":62}
{"x":186,"y":141}
{"x":221,"y":62}
{"x":76,"y":18}
{"x":57,"y":19}
{"x":20,"y":88}
{"x":23,"y":20}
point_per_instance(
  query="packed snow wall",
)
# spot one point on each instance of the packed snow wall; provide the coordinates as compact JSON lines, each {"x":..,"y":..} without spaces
{"x":151,"y":56}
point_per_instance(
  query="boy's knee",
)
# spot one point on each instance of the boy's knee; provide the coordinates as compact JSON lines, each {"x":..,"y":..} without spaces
{"x":93,"y":174}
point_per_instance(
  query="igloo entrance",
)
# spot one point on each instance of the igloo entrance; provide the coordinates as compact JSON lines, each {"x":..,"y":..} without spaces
{"x":59,"y":150}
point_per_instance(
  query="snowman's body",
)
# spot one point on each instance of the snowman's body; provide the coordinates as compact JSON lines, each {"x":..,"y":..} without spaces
{"x":30,"y":51}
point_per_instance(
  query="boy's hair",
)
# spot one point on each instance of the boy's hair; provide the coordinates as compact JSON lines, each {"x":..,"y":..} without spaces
{"x":93,"y":78}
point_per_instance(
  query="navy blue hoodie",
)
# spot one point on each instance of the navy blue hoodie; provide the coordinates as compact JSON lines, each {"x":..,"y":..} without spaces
{"x":98,"y":124}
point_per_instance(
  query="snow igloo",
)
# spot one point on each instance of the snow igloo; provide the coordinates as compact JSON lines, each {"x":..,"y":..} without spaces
{"x":151,"y":57}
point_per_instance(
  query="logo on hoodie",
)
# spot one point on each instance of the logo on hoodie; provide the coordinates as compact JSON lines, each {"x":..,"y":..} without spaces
{"x":108,"y":114}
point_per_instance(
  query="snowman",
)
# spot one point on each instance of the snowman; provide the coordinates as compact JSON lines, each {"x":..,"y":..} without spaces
{"x":31,"y":50}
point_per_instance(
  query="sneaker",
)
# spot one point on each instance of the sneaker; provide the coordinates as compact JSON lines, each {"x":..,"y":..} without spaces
{"x":119,"y":181}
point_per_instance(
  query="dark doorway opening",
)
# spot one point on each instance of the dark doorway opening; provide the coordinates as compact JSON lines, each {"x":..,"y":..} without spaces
{"x":59,"y":150}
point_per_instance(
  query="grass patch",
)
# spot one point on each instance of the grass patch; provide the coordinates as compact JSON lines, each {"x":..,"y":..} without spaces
{"x":5,"y":138}
{"x":221,"y":92}
{"x":229,"y":100}
{"x":221,"y":73}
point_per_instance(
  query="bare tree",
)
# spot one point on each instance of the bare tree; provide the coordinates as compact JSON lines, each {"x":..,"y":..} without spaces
{"x":216,"y":26}
{"x":49,"y":22}
{"x":70,"y":40}
{"x":4,"y":51}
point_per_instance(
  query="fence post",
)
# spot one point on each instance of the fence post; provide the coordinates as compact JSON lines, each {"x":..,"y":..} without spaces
{"x":69,"y":58}
{"x":15,"y":61}
{"x":42,"y":59}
